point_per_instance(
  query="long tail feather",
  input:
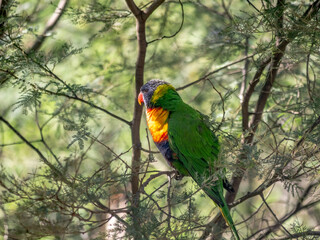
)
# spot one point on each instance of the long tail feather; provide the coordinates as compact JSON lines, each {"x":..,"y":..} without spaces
{"x":215,"y":192}
{"x":227,"y":217}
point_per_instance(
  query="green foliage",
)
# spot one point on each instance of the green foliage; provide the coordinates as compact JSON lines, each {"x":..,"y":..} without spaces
{"x":29,"y":100}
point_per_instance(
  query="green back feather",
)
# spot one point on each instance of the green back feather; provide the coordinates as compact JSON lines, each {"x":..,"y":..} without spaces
{"x":197,"y":149}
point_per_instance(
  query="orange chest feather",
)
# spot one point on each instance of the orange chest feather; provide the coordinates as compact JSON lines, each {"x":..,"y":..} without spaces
{"x":157,"y":120}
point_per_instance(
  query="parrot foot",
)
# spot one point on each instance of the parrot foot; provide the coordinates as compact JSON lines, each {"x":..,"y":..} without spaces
{"x":228,"y":186}
{"x":178,"y":176}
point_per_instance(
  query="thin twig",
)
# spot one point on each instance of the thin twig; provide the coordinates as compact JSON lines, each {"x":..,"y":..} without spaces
{"x":245,"y":71}
{"x":301,"y":234}
{"x":213,"y":72}
{"x":298,"y":207}
{"x":153,"y":7}
{"x":20,"y":142}
{"x":169,"y":203}
{"x":174,"y":34}
{"x":274,"y":215}
{"x":222,"y":101}
{"x":43,"y":158}
{"x":148,"y":160}
{"x":307,"y":132}
{"x":86,"y":102}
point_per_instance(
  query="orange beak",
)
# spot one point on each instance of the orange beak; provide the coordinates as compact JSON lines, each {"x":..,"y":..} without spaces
{"x":140,"y":98}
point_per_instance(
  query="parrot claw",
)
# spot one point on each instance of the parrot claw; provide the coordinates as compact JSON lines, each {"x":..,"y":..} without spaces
{"x":228,"y":186}
{"x":178,"y":176}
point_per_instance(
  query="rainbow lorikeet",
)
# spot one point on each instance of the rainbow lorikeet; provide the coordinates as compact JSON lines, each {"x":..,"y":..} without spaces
{"x":185,"y":140}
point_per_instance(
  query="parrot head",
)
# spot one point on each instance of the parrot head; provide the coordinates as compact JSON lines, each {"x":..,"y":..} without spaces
{"x":152,"y":91}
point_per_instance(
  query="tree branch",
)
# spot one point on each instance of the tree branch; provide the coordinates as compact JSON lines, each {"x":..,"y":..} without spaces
{"x":301,"y":234}
{"x":135,"y":129}
{"x":43,"y":158}
{"x":275,"y":61}
{"x":86,"y":102}
{"x":213,"y":72}
{"x":152,"y":8}
{"x":133,"y":7}
{"x":274,"y":215}
{"x":4,"y":6}
{"x":141,"y":18}
{"x":253,"y":83}
{"x":52,"y":22}
{"x":179,"y":29}
{"x":298,"y":207}
{"x":265,"y":92}
{"x":244,"y":70}
{"x":307,"y":132}
{"x":256,"y":192}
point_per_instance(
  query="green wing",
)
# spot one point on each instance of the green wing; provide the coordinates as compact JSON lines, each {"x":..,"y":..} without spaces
{"x":196,"y":147}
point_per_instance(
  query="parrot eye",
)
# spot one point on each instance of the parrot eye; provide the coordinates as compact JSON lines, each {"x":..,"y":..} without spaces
{"x":145,"y":90}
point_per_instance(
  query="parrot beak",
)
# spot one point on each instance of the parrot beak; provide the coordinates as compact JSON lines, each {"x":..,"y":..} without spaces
{"x":140,"y":98}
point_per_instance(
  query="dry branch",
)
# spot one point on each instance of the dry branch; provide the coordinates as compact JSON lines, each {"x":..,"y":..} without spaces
{"x":52,"y":22}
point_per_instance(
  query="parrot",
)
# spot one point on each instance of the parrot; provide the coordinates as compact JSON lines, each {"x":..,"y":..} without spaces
{"x":185,"y":140}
